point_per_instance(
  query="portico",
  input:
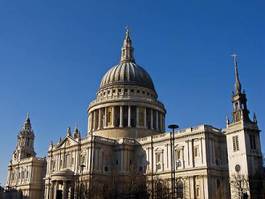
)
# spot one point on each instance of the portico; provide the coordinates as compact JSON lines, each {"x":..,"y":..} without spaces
{"x":61,"y":185}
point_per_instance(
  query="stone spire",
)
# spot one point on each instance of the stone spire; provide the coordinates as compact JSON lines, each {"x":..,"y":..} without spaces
{"x":237,"y":81}
{"x":25,"y":142}
{"x":239,"y":99}
{"x":127,"y":49}
{"x":27,"y":124}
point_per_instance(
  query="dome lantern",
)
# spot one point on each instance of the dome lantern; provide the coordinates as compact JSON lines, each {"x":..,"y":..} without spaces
{"x":127,"y":49}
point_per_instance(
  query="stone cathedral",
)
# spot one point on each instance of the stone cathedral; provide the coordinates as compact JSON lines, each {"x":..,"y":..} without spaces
{"x":127,"y":153}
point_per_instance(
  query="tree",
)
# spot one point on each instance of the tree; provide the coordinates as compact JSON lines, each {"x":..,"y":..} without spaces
{"x":239,"y":186}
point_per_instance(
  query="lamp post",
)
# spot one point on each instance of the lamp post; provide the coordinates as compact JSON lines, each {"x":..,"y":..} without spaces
{"x":82,"y":166}
{"x":172,"y":143}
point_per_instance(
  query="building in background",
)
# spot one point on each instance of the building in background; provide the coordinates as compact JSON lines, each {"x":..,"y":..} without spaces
{"x":25,"y":170}
{"x":127,"y":153}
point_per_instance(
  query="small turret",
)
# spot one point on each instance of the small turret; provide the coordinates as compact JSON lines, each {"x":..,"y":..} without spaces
{"x":76,"y":133}
{"x":68,"y":132}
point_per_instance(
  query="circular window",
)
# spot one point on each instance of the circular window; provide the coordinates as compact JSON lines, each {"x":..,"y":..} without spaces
{"x":237,"y":168}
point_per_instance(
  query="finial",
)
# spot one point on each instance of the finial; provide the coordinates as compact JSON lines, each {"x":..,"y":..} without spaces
{"x":76,"y":130}
{"x":76,"y":124}
{"x":227,"y":120}
{"x":68,"y":132}
{"x":27,"y":117}
{"x":237,"y":83}
{"x":27,"y":124}
{"x":76,"y":133}
{"x":127,"y":29}
{"x":255,"y":118}
{"x":127,"y":49}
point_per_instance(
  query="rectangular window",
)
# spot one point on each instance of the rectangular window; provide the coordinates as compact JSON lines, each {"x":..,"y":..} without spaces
{"x":158,"y":157}
{"x":252,"y":139}
{"x":196,"y":151}
{"x":178,"y":154}
{"x":235,"y":143}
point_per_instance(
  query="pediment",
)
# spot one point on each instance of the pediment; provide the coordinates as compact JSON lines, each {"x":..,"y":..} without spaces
{"x":67,"y":142}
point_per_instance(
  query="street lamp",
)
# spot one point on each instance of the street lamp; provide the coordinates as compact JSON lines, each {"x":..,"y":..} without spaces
{"x":172,"y":143}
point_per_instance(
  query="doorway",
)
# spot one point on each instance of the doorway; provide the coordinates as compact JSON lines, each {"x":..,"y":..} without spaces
{"x":59,"y":194}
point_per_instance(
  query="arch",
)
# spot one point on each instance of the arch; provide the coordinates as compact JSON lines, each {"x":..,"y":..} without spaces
{"x":179,"y":188}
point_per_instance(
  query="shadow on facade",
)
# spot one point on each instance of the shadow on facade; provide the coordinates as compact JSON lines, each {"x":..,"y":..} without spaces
{"x":138,"y":183}
{"x":11,"y":193}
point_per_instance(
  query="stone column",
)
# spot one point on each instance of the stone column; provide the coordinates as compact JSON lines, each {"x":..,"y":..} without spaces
{"x":152,"y":122}
{"x":89,"y":122}
{"x":145,"y":115}
{"x":65,"y":190}
{"x":105,"y":119}
{"x":156,"y":112}
{"x":122,"y":160}
{"x":192,"y":152}
{"x":112,"y":116}
{"x":137,"y":117}
{"x":163,"y":122}
{"x":94,"y":120}
{"x":55,"y":189}
{"x":129,"y":116}
{"x":99,"y":118}
{"x":51,"y":190}
{"x":121,"y":116}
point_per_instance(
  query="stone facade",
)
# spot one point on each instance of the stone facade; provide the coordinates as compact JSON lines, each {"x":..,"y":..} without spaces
{"x":25,"y":170}
{"x":127,"y":153}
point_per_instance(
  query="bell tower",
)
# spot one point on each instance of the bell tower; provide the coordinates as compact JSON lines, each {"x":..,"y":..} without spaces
{"x":25,"y":142}
{"x":243,"y":146}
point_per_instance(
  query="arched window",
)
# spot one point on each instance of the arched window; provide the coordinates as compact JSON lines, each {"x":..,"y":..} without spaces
{"x":159,"y":190}
{"x":180,"y":189}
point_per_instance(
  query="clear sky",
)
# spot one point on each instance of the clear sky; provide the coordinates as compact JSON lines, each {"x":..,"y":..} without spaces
{"x":54,"y":53}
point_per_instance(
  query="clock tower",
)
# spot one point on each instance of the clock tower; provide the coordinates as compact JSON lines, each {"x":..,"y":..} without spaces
{"x":243,"y":147}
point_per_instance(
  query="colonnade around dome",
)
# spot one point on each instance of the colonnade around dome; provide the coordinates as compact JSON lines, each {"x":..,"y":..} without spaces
{"x":126,"y":116}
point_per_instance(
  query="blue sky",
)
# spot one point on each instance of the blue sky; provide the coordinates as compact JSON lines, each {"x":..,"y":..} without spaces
{"x":54,"y":53}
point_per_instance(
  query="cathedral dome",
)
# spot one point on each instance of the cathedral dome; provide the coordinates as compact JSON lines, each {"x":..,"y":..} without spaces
{"x":128,"y":73}
{"x":126,"y":103}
